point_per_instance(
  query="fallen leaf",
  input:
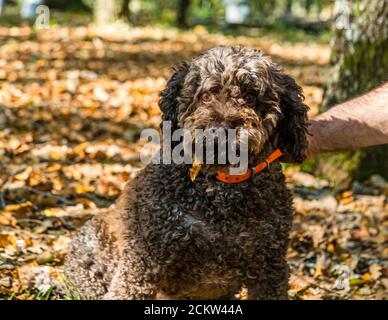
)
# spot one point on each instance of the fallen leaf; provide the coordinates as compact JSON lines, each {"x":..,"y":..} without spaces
{"x":7,"y":239}
{"x":194,"y":170}
{"x":375,"y":271}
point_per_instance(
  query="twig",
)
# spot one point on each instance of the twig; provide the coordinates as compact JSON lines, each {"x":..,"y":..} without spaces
{"x":312,"y":284}
{"x":30,"y":220}
{"x":49,"y":194}
{"x":2,"y":192}
{"x":2,"y":200}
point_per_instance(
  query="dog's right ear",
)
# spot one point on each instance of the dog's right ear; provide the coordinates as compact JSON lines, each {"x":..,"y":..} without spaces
{"x":168,"y":98}
{"x":293,"y":128}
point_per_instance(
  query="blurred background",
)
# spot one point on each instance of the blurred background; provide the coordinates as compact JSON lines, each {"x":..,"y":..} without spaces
{"x":79,"y":80}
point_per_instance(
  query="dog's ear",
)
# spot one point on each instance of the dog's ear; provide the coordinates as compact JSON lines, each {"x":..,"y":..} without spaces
{"x":293,"y":128}
{"x":168,"y":98}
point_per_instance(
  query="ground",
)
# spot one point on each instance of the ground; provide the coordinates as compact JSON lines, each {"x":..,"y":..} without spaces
{"x":73,"y":101}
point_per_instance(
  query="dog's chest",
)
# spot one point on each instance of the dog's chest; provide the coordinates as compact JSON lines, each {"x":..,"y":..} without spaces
{"x":222,"y":225}
{"x":221,"y":240}
{"x":186,"y":222}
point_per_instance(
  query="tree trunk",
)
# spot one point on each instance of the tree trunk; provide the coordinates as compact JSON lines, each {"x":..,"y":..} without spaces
{"x":307,"y":5}
{"x":288,"y":8}
{"x":105,"y":11}
{"x":182,"y":13}
{"x":359,"y":55}
{"x":359,"y":63}
{"x":124,"y":11}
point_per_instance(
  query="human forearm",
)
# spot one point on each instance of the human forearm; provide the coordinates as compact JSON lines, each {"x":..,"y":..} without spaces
{"x":357,"y":123}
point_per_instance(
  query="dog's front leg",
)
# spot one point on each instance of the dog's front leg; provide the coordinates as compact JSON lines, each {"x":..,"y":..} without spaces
{"x":131,"y":281}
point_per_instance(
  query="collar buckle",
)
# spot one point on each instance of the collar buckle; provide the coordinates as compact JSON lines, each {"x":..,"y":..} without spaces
{"x":267,"y":163}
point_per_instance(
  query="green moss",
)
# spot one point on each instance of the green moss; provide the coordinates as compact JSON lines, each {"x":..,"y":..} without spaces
{"x":309,"y":166}
{"x":339,"y":168}
{"x":372,"y":161}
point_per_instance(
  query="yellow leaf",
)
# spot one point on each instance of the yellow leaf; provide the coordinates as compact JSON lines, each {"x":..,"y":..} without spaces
{"x":80,"y":149}
{"x":346,"y":194}
{"x":35,"y":179}
{"x":330,"y":248}
{"x":375,"y":271}
{"x":194,"y":170}
{"x":24,"y":175}
{"x":19,"y":208}
{"x":51,"y":212}
{"x":6,"y":218}
{"x":367,"y":277}
{"x":318,"y":271}
{"x":83,"y":189}
{"x":7,"y":239}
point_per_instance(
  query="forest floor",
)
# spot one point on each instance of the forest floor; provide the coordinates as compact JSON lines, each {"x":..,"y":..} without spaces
{"x":73,"y":101}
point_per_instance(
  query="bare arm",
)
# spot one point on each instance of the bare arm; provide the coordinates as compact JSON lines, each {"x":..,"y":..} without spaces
{"x":358,"y":123}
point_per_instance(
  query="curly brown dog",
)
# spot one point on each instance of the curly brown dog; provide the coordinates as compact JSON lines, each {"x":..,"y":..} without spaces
{"x":204,"y":239}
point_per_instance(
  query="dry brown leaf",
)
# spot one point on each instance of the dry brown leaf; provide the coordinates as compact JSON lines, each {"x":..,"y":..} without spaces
{"x":375,"y":271}
{"x":7,"y":239}
{"x":194,"y":170}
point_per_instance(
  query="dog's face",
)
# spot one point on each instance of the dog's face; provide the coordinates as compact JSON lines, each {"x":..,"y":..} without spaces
{"x":238,"y":88}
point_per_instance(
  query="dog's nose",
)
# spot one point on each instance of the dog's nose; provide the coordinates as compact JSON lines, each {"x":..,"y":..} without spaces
{"x":221,"y":128}
{"x":225,"y":125}
{"x":231,"y":123}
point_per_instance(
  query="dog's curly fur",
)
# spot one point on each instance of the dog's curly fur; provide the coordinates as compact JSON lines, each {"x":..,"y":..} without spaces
{"x":203,"y":239}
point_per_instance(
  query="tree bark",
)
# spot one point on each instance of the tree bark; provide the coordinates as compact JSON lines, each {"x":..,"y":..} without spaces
{"x":307,"y":5}
{"x":288,"y":8}
{"x":105,"y":11}
{"x":359,"y":55}
{"x":124,"y":11}
{"x":182,"y":13}
{"x":359,"y":63}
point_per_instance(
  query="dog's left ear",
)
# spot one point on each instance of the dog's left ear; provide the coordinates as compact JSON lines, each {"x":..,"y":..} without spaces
{"x":168,"y":101}
{"x":293,"y":128}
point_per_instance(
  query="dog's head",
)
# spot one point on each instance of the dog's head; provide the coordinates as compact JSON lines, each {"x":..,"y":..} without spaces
{"x":238,"y":88}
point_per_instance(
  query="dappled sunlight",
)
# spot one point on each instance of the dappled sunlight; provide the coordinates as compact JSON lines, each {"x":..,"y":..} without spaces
{"x":73,"y":101}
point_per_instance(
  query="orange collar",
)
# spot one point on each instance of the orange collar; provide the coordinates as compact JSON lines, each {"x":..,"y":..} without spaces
{"x":237,"y":178}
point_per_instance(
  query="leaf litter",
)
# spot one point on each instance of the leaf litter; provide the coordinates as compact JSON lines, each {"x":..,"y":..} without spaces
{"x":73,"y":101}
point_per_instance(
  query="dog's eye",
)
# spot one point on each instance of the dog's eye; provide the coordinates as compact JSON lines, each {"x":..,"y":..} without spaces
{"x":206,"y":96}
{"x":249,"y":97}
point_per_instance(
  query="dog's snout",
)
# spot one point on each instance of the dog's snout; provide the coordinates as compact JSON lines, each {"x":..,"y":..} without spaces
{"x":228,"y":117}
{"x":217,"y":133}
{"x":216,"y":129}
{"x":234,"y":122}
